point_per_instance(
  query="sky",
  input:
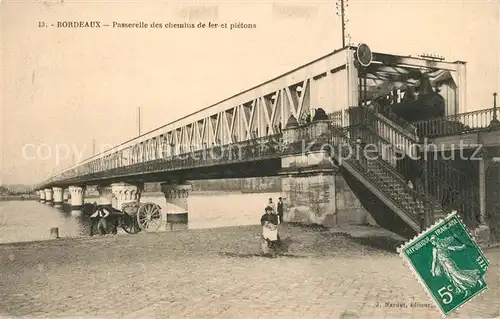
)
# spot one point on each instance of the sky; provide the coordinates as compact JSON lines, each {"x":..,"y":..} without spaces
{"x":69,"y":89}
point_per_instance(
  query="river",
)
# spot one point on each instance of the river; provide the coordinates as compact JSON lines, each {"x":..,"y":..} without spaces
{"x":31,"y":220}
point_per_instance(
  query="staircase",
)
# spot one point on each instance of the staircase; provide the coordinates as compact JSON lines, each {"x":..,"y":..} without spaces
{"x":380,"y":182}
{"x":373,"y":177}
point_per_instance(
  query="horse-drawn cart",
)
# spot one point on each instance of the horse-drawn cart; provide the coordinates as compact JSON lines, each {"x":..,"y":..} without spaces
{"x":133,"y":218}
{"x":141,"y":216}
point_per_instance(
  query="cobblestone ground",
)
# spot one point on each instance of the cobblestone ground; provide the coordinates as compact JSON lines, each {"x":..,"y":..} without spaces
{"x":217,"y":273}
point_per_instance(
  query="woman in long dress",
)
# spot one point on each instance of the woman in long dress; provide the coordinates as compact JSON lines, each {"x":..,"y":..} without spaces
{"x":443,"y":264}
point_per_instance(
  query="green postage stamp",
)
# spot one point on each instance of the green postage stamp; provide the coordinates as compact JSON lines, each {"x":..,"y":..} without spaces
{"x":448,"y":262}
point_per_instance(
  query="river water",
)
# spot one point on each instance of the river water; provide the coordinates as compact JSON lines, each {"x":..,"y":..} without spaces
{"x":32,"y":220}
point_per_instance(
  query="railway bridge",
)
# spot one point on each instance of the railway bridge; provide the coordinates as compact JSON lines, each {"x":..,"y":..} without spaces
{"x":353,"y":132}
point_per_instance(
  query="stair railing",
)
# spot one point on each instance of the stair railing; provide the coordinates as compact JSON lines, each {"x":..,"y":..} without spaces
{"x":344,"y":147}
{"x":405,"y":125}
{"x":454,"y":188}
{"x":403,"y":140}
{"x":443,"y":179}
{"x":455,"y":124}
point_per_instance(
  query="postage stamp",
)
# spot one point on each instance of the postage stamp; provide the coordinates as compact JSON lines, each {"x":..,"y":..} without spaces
{"x":447,"y":262}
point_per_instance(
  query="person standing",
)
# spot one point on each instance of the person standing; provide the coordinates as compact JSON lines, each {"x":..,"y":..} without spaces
{"x":99,"y":216}
{"x":268,"y":217}
{"x":270,"y":234}
{"x":279,"y":209}
{"x":93,"y":217}
{"x":271,"y":204}
{"x":360,"y":154}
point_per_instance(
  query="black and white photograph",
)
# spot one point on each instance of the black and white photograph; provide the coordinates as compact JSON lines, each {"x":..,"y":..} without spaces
{"x":250,"y":159}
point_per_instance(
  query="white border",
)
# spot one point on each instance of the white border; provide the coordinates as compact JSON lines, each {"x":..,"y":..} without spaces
{"x":416,"y":274}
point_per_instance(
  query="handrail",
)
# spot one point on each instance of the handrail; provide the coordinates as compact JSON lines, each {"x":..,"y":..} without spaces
{"x":365,"y":117}
{"x":442,"y":173}
{"x":339,"y":119}
{"x":174,"y":159}
{"x":388,"y":169}
{"x":438,"y":180}
{"x":455,"y":124}
{"x":397,"y":120}
{"x":405,"y":131}
{"x":385,"y":141}
{"x":339,"y":133}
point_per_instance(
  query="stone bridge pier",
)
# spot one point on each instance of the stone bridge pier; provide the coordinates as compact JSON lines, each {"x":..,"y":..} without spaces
{"x":58,"y":196}
{"x":122,"y":193}
{"x":77,"y":197}
{"x":105,"y":195}
{"x":41,"y":193}
{"x":48,"y":196}
{"x":176,"y":194}
{"x":65,"y":195}
{"x":314,"y":190}
{"x":308,"y":174}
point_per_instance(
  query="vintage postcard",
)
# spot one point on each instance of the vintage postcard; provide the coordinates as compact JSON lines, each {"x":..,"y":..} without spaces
{"x":249,"y":159}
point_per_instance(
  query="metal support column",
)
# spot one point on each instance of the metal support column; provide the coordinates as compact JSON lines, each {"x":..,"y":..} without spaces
{"x":495,"y":121}
{"x":428,"y":211}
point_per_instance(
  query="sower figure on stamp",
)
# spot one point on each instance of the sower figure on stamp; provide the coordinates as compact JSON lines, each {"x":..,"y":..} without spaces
{"x":444,"y":265}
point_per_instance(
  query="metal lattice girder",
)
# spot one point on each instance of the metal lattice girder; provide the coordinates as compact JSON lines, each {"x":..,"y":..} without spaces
{"x":258,"y":112}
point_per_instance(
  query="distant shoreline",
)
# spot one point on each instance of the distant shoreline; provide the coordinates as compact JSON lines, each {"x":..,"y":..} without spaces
{"x":5,"y":198}
{"x":153,"y":194}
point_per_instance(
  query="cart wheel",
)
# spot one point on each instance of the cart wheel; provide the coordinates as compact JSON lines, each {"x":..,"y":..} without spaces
{"x":149,"y":217}
{"x":129,"y":224}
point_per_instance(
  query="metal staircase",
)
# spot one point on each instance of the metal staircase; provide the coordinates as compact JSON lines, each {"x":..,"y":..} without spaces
{"x":387,"y":178}
{"x":380,"y":178}
{"x":451,"y":187}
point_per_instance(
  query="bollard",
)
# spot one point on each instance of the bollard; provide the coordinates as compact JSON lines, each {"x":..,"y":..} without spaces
{"x":54,"y":232}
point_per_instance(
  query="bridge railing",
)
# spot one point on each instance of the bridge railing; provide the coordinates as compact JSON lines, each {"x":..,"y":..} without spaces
{"x":357,"y":118}
{"x":455,"y":124}
{"x":337,"y":119}
{"x":222,"y":154}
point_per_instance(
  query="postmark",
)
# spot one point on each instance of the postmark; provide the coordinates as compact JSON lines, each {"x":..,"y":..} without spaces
{"x":447,"y":262}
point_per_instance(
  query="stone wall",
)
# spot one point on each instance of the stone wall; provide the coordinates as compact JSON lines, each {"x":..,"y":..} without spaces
{"x":324,"y":199}
{"x":349,"y":208}
{"x":310,"y":199}
{"x":245,"y":185}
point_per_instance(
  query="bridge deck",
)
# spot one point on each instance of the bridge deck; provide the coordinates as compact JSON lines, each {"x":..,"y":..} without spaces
{"x":330,"y":83}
